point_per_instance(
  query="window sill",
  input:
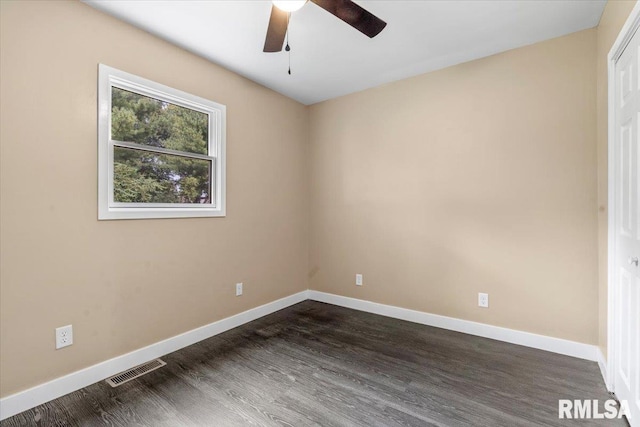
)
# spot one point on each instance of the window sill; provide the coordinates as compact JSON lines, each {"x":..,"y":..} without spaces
{"x":151,"y":213}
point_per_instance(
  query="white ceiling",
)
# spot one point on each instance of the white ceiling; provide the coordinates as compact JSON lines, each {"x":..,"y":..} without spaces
{"x":330,"y":59}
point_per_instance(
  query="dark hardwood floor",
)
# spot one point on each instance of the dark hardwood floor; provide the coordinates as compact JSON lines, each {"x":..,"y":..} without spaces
{"x":318,"y":364}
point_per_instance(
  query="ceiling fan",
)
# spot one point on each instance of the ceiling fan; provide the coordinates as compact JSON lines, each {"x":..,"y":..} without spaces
{"x":360,"y":19}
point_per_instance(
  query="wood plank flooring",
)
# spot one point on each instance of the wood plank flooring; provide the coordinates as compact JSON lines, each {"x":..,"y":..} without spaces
{"x":318,"y":364}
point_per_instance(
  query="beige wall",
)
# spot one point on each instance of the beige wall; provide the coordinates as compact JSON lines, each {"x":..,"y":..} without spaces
{"x":126,"y":284}
{"x":476,"y":178}
{"x":613,"y":18}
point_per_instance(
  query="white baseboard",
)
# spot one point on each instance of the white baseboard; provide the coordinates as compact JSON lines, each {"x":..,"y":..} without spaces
{"x":27,"y":399}
{"x":542,"y":342}
{"x":24,"y":400}
{"x":602,"y":363}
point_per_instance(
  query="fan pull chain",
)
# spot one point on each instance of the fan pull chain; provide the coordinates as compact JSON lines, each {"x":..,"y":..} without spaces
{"x":287,"y":48}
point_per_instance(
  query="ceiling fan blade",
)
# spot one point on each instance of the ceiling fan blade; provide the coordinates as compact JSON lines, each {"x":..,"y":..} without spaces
{"x":354,"y":15}
{"x":276,"y":31}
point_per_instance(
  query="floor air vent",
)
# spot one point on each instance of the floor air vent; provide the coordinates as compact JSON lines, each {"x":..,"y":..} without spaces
{"x":134,"y":373}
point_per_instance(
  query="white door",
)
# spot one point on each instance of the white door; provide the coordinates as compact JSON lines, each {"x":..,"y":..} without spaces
{"x":627,"y":234}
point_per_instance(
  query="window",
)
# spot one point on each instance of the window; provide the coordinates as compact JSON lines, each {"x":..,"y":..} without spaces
{"x":160,"y":150}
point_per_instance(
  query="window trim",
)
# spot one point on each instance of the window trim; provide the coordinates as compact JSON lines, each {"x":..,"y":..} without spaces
{"x":109,"y":77}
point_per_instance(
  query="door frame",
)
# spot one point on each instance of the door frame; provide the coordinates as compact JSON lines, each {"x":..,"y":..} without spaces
{"x":626,"y":33}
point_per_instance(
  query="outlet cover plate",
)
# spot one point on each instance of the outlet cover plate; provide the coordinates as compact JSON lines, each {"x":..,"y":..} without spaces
{"x":483,"y":300}
{"x":358,"y":279}
{"x":64,"y":336}
{"x":238,"y":289}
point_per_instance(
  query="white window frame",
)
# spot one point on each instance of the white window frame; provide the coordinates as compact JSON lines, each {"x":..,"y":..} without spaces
{"x":109,"y":77}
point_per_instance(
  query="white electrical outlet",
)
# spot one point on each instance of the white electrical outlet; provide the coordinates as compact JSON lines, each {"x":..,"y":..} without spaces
{"x":483,"y":300}
{"x":238,"y":289}
{"x":358,"y":279}
{"x":64,"y":336}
